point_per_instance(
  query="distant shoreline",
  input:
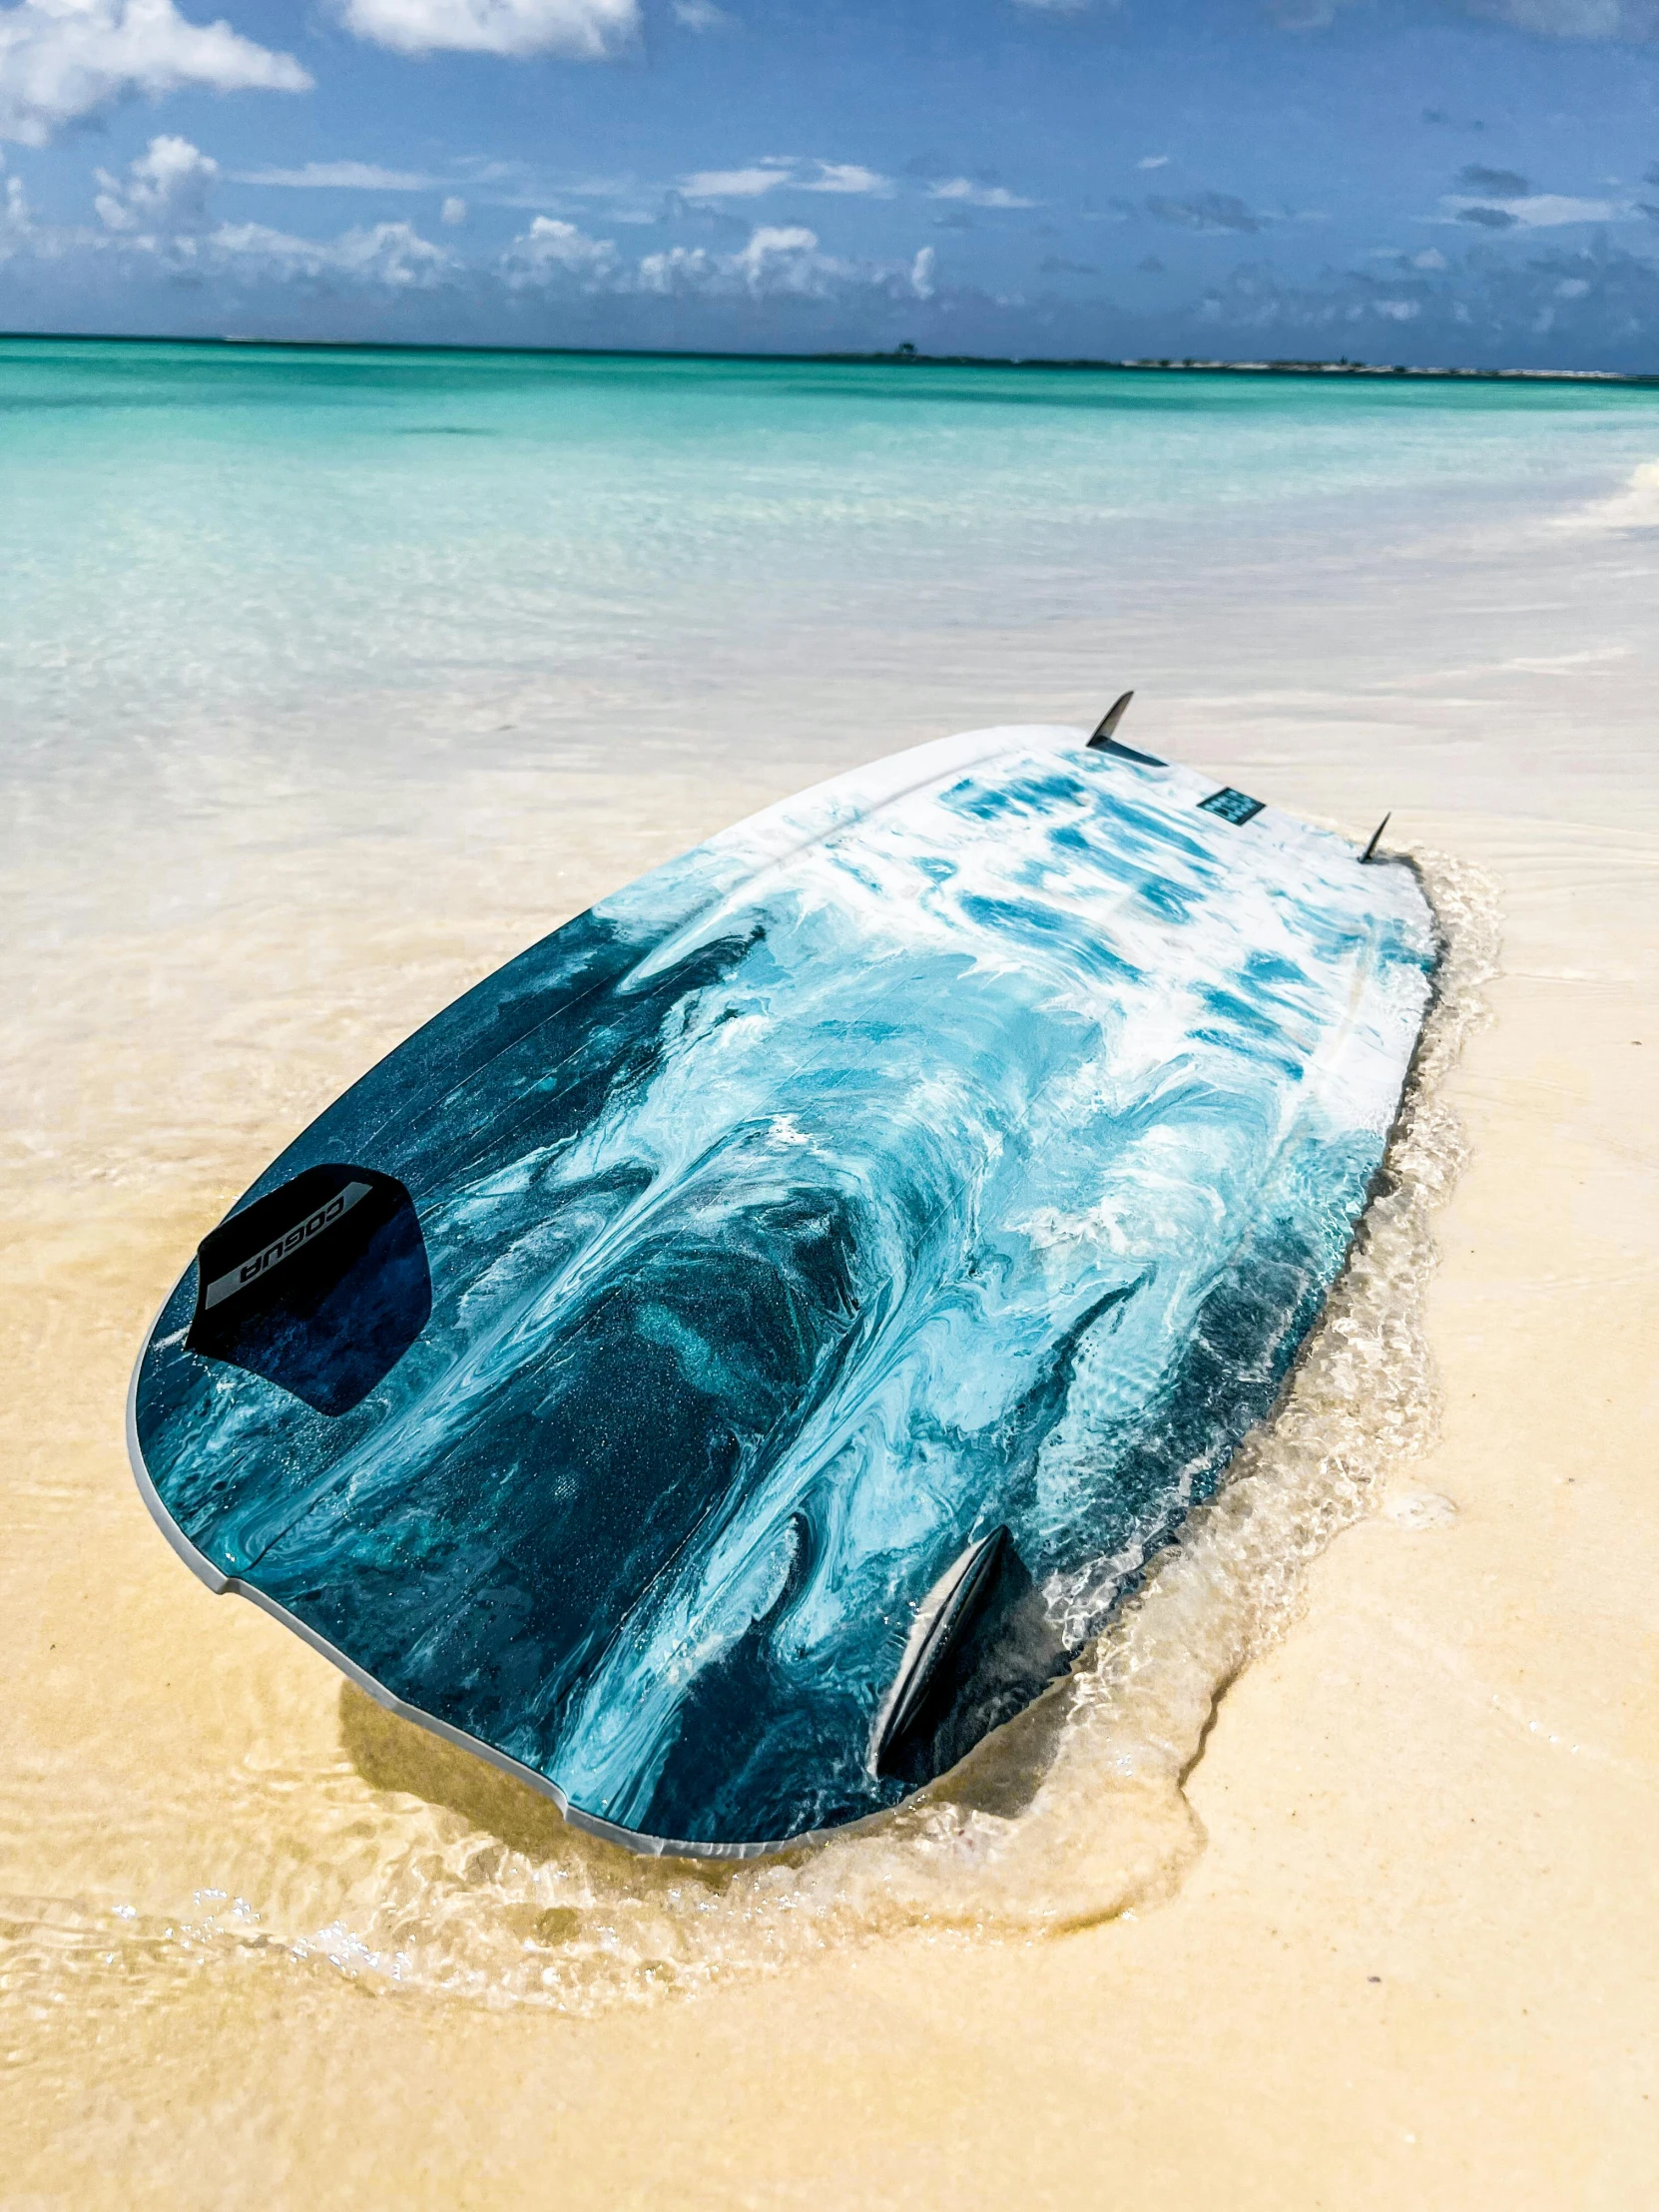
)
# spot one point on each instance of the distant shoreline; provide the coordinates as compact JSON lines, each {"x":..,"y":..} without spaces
{"x":902,"y":356}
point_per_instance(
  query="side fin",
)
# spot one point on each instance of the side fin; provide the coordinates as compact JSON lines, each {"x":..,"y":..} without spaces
{"x":1104,"y":741}
{"x":1106,"y":728}
{"x":943,"y":1613}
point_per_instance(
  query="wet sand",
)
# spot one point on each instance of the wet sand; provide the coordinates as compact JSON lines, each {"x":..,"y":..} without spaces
{"x":1407,"y":1953}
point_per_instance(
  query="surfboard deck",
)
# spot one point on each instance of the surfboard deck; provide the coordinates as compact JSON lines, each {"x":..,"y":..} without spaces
{"x":728,"y":1361}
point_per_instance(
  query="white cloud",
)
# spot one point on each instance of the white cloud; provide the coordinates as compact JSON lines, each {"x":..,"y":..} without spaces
{"x":779,"y":258}
{"x":703,"y":15}
{"x":453,"y":210}
{"x":846,"y":176}
{"x":166,"y":188}
{"x":779,"y":262}
{"x":582,"y":30}
{"x":970,"y":194}
{"x":1538,"y":211}
{"x":1153,"y":161}
{"x":16,"y":222}
{"x":737,"y":184}
{"x":161,"y":211}
{"x":551,"y":251}
{"x":1304,"y":15}
{"x":340,"y":177}
{"x":1586,"y":19}
{"x":1630,"y":20}
{"x":391,"y":255}
{"x":783,"y":172}
{"x":62,"y":59}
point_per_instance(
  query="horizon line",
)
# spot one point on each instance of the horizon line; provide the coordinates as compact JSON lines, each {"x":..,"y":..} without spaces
{"x":903,"y":355}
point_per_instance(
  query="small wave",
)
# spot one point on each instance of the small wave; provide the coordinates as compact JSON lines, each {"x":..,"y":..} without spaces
{"x":413,"y":1869}
{"x":1636,"y":507}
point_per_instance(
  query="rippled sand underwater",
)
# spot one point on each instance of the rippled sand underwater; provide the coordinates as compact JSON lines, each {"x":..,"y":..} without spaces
{"x":223,"y":919}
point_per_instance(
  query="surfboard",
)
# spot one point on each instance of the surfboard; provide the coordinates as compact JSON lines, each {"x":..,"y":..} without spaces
{"x":734,"y":1357}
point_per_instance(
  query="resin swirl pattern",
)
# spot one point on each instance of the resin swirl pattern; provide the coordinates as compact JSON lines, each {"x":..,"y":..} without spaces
{"x":965,"y":1145}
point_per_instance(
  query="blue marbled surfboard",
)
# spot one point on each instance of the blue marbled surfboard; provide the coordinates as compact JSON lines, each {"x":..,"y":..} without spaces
{"x":732,"y":1358}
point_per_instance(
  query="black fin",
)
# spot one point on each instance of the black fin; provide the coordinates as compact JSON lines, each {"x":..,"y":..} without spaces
{"x":1371,"y":850}
{"x":1106,"y":728}
{"x":984,"y":1650}
{"x":1104,"y":741}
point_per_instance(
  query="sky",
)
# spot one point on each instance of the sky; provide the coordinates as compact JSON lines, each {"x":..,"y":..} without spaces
{"x":1468,"y":183}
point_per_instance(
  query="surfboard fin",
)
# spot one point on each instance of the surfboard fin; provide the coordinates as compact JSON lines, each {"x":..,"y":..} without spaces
{"x":943,"y":1615}
{"x":1105,"y":741}
{"x":1109,"y":720}
{"x":1370,"y":853}
{"x":981,"y":1648}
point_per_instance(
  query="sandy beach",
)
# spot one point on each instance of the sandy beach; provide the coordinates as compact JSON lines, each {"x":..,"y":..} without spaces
{"x":1381,"y":1927}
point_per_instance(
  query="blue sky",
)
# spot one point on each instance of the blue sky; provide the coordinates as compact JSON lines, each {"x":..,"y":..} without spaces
{"x":1470,"y":181}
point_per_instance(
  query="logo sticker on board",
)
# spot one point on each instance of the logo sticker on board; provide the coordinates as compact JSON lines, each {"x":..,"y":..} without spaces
{"x":1236,"y":808}
{"x":283,"y":1246}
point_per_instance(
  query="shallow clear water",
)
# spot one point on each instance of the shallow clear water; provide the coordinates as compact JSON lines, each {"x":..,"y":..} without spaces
{"x":329,"y":681}
{"x":332,"y":550}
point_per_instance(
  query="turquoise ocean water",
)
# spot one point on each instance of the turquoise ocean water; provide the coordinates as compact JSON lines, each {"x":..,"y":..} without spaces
{"x":357,"y":551}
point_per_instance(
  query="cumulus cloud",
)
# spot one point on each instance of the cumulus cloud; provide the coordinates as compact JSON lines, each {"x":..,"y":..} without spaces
{"x":785,"y":172}
{"x":1207,"y":211}
{"x":453,"y":211}
{"x":63,"y":59}
{"x":581,"y":30}
{"x":166,"y":188}
{"x":778,"y":260}
{"x":390,"y":255}
{"x":160,"y":215}
{"x":553,"y":250}
{"x":967,"y":194}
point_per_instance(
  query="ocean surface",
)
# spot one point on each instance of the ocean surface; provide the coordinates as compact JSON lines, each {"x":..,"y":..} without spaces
{"x":328,"y":680}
